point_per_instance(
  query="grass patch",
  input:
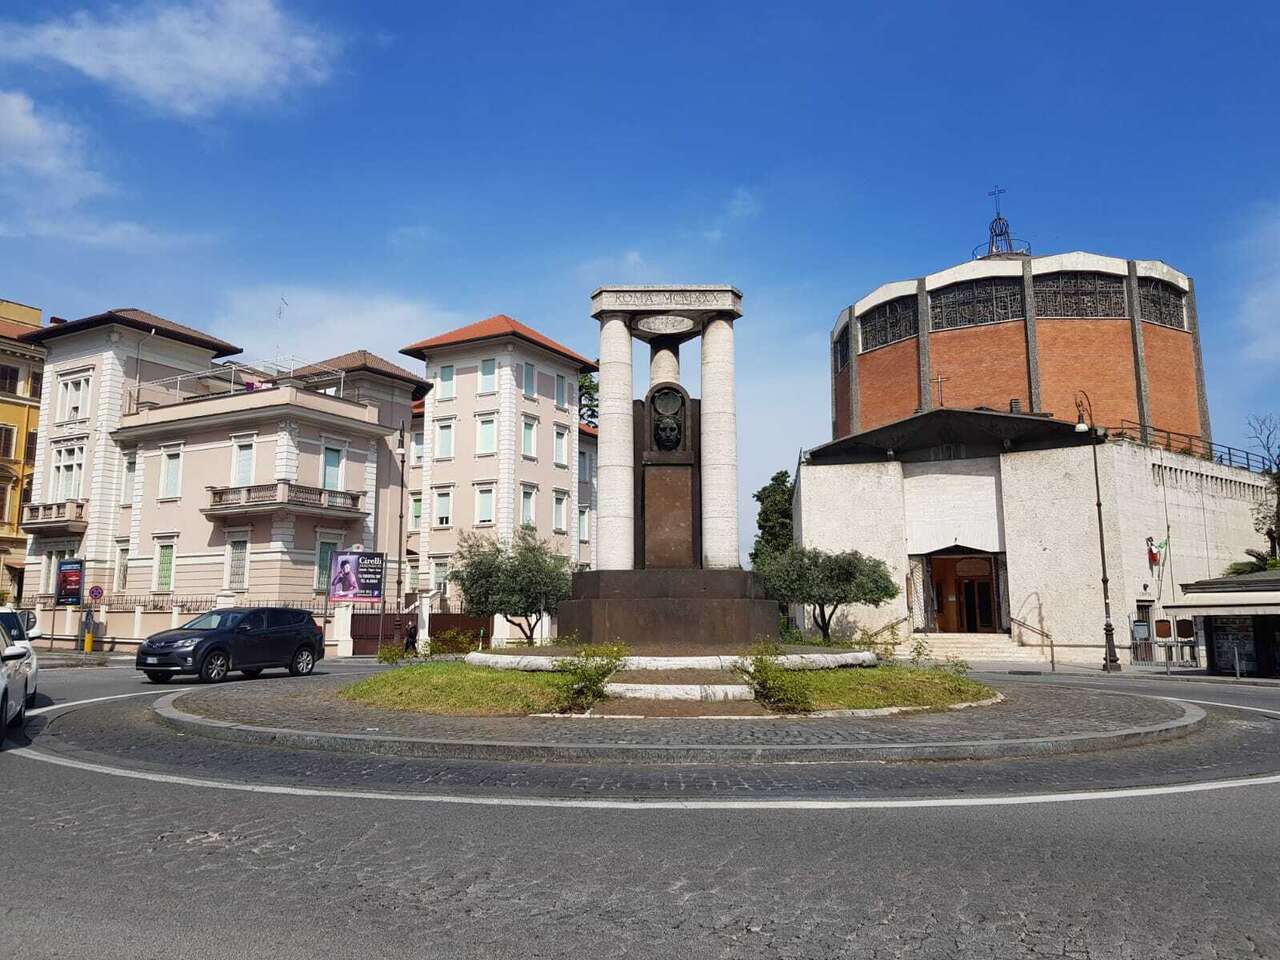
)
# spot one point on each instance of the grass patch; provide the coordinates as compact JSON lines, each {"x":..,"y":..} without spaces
{"x":888,"y":685}
{"x":461,"y":689}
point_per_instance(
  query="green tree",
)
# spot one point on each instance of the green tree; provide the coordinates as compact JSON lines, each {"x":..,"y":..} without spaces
{"x":1257,"y":562}
{"x":826,"y":581}
{"x":522,"y":582}
{"x":588,"y":399}
{"x":773,"y":519}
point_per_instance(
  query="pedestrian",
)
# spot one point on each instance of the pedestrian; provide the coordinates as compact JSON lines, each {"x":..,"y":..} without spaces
{"x":411,"y":637}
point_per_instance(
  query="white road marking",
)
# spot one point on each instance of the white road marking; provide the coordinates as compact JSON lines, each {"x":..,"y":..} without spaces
{"x":601,"y":804}
{"x":76,"y":703}
{"x":1229,"y":706}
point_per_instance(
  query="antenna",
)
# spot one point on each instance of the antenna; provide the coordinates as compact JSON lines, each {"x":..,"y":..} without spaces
{"x":280,"y":309}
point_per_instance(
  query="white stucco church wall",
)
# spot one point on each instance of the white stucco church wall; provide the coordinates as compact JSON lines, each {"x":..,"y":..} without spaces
{"x":1037,"y":507}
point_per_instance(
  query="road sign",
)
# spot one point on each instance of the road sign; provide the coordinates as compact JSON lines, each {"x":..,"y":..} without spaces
{"x":95,"y":593}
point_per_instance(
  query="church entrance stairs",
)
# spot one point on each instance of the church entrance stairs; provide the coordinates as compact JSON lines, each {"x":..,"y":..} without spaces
{"x":976,"y":646}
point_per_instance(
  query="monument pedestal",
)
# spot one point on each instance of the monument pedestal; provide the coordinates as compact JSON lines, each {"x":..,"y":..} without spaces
{"x":670,"y":612}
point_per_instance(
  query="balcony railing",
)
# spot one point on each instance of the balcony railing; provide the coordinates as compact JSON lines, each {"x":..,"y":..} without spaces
{"x":66,"y":516}
{"x":284,"y":495}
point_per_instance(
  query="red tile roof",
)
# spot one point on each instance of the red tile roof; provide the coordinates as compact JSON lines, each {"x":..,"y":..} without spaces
{"x":497,"y":326}
{"x":590,"y":431}
{"x":138,"y":320}
{"x":363,"y":360}
{"x":14,"y":329}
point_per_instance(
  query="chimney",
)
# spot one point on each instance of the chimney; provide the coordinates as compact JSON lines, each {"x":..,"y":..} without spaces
{"x":1015,"y":405}
{"x":56,"y":321}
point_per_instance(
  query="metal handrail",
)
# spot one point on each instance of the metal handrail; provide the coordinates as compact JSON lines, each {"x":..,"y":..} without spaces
{"x":1192,"y":445}
{"x":1053,"y":660}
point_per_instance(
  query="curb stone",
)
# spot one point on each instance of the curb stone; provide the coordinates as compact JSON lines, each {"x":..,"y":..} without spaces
{"x":1192,"y":719}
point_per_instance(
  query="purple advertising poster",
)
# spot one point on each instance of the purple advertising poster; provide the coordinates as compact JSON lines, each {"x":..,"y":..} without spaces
{"x":356,"y":577}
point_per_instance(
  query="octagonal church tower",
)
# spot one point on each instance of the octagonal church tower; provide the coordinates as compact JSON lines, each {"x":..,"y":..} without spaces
{"x":1020,"y":333}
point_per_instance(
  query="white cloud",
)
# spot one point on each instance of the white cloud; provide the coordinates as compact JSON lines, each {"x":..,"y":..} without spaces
{"x":630,"y":266}
{"x":742,"y":205}
{"x":1260,"y":304}
{"x":187,"y":59}
{"x":323,"y":322}
{"x":42,"y":158}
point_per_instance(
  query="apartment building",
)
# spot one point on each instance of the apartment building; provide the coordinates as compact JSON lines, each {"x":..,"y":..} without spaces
{"x":184,"y":479}
{"x":21,"y":373}
{"x":498,"y":444}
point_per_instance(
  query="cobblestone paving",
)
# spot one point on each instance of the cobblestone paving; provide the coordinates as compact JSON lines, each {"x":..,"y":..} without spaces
{"x":126,"y":733}
{"x":1032,"y":710}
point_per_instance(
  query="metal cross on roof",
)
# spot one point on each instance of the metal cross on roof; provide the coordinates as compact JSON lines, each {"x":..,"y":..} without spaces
{"x":995,"y":192}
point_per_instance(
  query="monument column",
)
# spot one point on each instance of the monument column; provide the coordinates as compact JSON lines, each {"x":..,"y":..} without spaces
{"x":664,"y":361}
{"x":615,"y":466}
{"x":719,"y":447}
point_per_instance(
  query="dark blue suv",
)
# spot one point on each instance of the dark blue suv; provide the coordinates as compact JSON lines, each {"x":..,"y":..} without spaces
{"x":248,"y":639}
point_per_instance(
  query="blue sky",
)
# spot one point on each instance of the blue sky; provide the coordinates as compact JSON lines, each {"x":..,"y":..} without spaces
{"x":396,"y":169}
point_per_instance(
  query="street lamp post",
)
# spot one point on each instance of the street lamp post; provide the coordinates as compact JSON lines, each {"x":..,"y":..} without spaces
{"x":1110,"y":661}
{"x":400,"y":537}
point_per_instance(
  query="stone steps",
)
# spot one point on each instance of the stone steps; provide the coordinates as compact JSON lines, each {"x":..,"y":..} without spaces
{"x":975,"y":646}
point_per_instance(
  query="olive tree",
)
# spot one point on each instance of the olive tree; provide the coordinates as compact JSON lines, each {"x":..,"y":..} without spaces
{"x":826,"y":581}
{"x":521,"y":582}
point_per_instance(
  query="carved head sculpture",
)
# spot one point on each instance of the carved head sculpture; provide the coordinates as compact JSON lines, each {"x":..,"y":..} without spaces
{"x":666,"y":433}
{"x":668,"y":419}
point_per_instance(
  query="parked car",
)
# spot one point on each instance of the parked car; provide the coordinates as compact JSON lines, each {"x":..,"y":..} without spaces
{"x":18,"y":674}
{"x":247,"y":639}
{"x":20,"y":628}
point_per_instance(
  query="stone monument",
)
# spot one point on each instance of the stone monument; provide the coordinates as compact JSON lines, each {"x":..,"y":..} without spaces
{"x":669,"y":575}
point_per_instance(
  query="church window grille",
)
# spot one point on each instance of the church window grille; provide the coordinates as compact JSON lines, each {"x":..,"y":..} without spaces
{"x":840,"y":349}
{"x":1162,"y":303}
{"x":889,"y":323}
{"x":1072,"y":294}
{"x":969,"y":304}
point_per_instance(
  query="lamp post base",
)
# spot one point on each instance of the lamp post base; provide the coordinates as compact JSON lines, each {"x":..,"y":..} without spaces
{"x":1110,"y":661}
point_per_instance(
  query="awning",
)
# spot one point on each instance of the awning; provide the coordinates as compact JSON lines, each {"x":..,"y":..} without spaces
{"x":1236,"y":603}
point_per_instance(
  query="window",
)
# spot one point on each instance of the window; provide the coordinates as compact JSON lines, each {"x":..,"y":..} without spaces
{"x":73,"y":397}
{"x":562,"y":447}
{"x":130,"y":472}
{"x":411,"y":575}
{"x":561,"y":390}
{"x":840,"y":349}
{"x":415,"y":513}
{"x":8,"y":378}
{"x":444,"y":440}
{"x":484,"y":505}
{"x":584,"y":466}
{"x":530,"y":381}
{"x":1071,"y":294}
{"x":5,"y":491}
{"x":526,"y":507}
{"x":68,"y":472}
{"x":486,"y":437}
{"x":51,"y":559}
{"x":488,"y":381}
{"x":975,"y":302}
{"x":8,"y":438}
{"x":415,"y":448}
{"x":889,"y":322}
{"x":584,"y":525}
{"x":35,"y":384}
{"x":122,"y":569}
{"x":170,"y":473}
{"x":164,"y":567}
{"x":324,"y":554}
{"x":443,"y":514}
{"x":332,"y":479}
{"x":558,"y":521}
{"x":237,"y":563}
{"x":440,"y":576}
{"x":529,"y":438}
{"x":445,"y":389}
{"x":242,"y":463}
{"x":29,"y":454}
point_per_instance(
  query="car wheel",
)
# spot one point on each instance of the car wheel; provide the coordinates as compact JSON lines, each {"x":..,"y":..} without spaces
{"x":303,"y":662}
{"x":31,"y":699}
{"x":251,"y":673}
{"x":20,"y":717}
{"x":215,"y":667}
{"x":4,"y":712}
{"x":157,"y":676}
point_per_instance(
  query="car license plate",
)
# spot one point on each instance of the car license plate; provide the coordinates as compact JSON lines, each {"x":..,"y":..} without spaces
{"x":153,"y":659}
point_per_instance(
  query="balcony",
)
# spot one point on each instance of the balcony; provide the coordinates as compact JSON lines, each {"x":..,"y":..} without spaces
{"x":284,"y":497}
{"x":53,"y":519}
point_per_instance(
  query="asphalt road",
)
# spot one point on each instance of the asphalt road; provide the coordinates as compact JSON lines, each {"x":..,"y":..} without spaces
{"x":99,"y":865}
